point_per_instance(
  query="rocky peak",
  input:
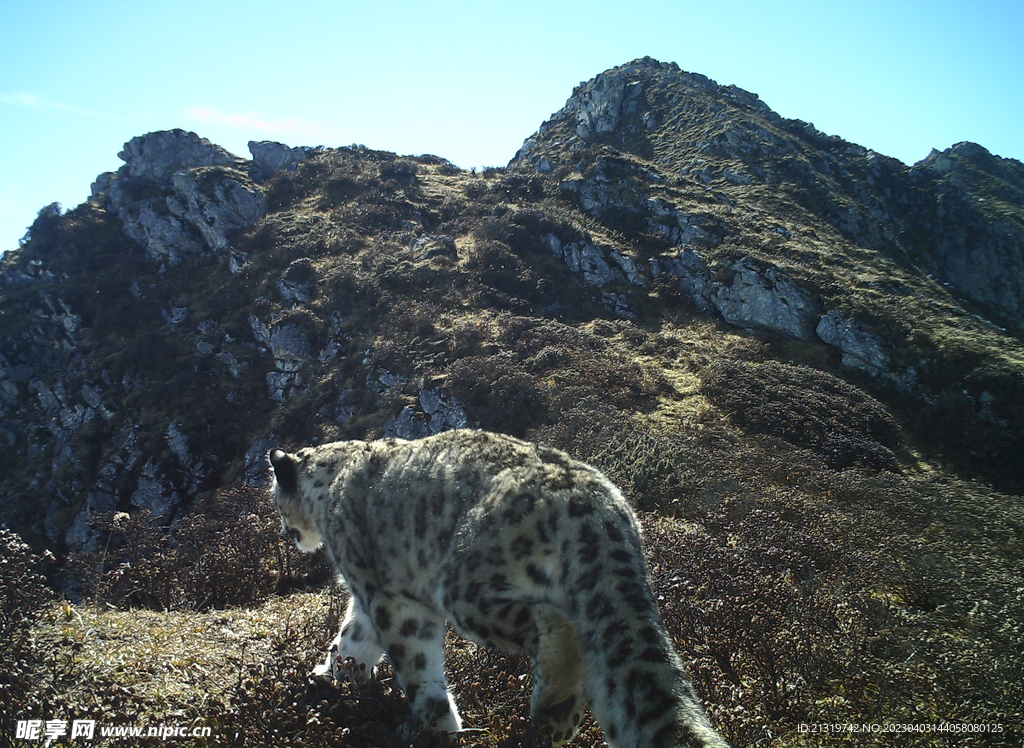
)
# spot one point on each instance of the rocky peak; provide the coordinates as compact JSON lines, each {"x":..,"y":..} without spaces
{"x":600,"y":105}
{"x":627,"y":142}
{"x":179,"y":194}
{"x":968,"y":226}
{"x":985,"y":176}
{"x":157,"y":156}
{"x":966,"y":152}
{"x":630,"y":107}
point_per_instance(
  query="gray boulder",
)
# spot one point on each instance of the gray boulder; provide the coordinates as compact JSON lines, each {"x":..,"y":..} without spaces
{"x":601,"y":103}
{"x":747,"y":293}
{"x":289,"y":341}
{"x":860,"y":348}
{"x":445,"y":411}
{"x":760,"y":297}
{"x":677,"y":227}
{"x":269,"y":158}
{"x":292,"y":350}
{"x":154,"y":495}
{"x":218,"y":207}
{"x":434,"y":245}
{"x":864,"y":350}
{"x":147,"y":222}
{"x":157,"y":156}
{"x":598,"y":266}
{"x":438,"y":411}
{"x":691,"y":270}
{"x":298,"y":283}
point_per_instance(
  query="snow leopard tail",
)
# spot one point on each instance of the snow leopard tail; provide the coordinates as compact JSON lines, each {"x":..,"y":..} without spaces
{"x":632,"y":677}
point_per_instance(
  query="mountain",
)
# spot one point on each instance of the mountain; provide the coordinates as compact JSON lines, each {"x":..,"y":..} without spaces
{"x":956,"y":215}
{"x":785,"y":341}
{"x":197,"y":306}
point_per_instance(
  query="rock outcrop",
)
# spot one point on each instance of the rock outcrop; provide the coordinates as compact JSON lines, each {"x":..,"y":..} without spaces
{"x":862,"y":349}
{"x":158,"y":156}
{"x":972,"y":233}
{"x":759,"y":297}
{"x":269,"y":158}
{"x":435,"y":411}
{"x":178,"y":195}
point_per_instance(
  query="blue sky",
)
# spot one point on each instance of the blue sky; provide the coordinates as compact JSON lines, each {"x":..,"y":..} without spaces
{"x":469,"y":81}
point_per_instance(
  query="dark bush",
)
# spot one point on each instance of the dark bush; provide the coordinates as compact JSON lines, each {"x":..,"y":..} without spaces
{"x":650,"y":467}
{"x":545,"y":369}
{"x":23,"y":586}
{"x":753,"y":605}
{"x":226,"y":554}
{"x":499,"y":393}
{"x":807,"y":408}
{"x":339,"y":190}
{"x":401,"y":170}
{"x":23,"y":591}
{"x":46,"y":226}
{"x":496,"y":265}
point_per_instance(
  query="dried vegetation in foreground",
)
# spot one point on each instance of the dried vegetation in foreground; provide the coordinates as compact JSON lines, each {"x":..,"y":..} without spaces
{"x":808,"y":595}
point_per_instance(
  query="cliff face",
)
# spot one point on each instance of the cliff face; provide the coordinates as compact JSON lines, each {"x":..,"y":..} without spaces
{"x":956,"y":215}
{"x":969,"y":227}
{"x":201,"y":307}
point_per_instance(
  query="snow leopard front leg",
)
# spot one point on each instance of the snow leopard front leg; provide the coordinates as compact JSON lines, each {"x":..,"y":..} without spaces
{"x":413,"y":638}
{"x":356,"y":641}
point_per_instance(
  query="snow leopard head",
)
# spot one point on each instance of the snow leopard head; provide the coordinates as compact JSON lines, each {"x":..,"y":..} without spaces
{"x":286,"y":489}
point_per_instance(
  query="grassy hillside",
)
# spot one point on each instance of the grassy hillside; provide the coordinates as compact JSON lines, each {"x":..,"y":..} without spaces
{"x":829,"y":543}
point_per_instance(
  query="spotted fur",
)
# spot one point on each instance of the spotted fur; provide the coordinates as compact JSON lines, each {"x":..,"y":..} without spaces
{"x":519,"y":547}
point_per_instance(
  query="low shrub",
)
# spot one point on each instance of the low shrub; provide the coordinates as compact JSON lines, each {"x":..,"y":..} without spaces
{"x":23,"y":592}
{"x":227,"y":554}
{"x":499,"y":393}
{"x":400,"y":170}
{"x":807,"y":408}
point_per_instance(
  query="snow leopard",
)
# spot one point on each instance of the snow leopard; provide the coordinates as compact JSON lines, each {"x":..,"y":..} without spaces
{"x":517,"y":546}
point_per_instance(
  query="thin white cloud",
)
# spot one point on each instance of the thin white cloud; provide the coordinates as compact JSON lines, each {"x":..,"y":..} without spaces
{"x":31,"y":101}
{"x":22,"y":99}
{"x":293,"y":126}
{"x":11,"y":207}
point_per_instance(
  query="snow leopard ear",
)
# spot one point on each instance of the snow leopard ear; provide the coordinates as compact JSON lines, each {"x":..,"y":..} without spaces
{"x":286,"y":469}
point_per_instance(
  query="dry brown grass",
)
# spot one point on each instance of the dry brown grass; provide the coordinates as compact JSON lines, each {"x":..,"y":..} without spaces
{"x":796,"y":593}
